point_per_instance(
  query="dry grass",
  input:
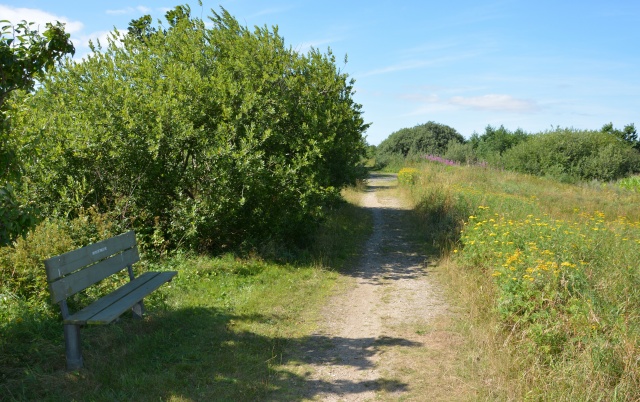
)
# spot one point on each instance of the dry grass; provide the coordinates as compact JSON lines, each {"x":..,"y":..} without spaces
{"x":502,"y":361}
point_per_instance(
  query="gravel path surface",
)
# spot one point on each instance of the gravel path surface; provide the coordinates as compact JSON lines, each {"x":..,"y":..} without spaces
{"x":371,"y":331}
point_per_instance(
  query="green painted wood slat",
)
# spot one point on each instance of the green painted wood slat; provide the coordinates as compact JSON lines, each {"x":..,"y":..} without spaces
{"x":80,"y":280}
{"x":116,"y":309}
{"x":66,"y":263}
{"x":81,"y":316}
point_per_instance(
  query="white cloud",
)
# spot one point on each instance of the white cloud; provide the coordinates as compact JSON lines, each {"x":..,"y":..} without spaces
{"x":40,"y":17}
{"x":129,"y":10}
{"x":95,"y":37}
{"x":424,"y":104}
{"x":495,"y":102}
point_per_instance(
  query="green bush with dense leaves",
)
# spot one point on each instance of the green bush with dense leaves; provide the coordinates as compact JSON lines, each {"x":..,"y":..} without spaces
{"x":25,"y":55}
{"x":23,"y":274}
{"x":572,"y":155}
{"x":201,"y":137}
{"x":494,"y":142}
{"x":429,"y":138}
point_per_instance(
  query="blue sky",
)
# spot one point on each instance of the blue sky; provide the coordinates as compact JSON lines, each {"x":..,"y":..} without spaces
{"x":468,"y":64}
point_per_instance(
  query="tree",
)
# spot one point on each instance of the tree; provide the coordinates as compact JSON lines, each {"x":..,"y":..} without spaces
{"x":495,"y":141}
{"x":25,"y":57}
{"x":25,"y":54}
{"x":428,"y":138}
{"x":628,"y":135}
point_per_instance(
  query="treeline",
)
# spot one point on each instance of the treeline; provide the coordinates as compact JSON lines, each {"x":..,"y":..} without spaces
{"x":563,"y":153}
{"x":201,"y":136}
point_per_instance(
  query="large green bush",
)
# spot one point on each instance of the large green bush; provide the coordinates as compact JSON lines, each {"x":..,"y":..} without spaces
{"x":494,"y":142}
{"x":196,"y":136}
{"x":569,"y":154}
{"x":429,"y":138}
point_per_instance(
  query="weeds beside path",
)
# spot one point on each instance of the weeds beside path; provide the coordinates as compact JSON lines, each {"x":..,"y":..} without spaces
{"x":386,"y":335}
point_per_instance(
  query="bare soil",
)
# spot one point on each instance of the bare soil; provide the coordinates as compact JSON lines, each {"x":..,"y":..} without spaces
{"x":386,"y":335}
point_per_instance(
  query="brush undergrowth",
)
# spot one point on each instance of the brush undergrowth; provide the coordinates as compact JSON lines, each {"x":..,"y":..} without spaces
{"x":548,"y":275}
{"x":219,"y":331}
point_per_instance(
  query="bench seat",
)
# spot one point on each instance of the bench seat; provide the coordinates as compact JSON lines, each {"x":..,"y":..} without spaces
{"x":111,"y":306}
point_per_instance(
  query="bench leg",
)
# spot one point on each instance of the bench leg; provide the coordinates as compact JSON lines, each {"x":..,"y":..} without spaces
{"x":138,"y":310}
{"x":72,"y":345}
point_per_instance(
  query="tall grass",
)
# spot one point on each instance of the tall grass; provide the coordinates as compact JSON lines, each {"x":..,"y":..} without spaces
{"x":548,"y":275}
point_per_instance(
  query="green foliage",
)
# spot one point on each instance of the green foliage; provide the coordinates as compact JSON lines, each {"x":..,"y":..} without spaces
{"x":15,"y":218}
{"x":429,"y":138}
{"x":461,"y":153}
{"x":628,"y":135}
{"x":630,"y":183}
{"x":495,"y":141}
{"x":571,"y":155}
{"x":407,"y":176}
{"x":25,"y":56}
{"x":554,"y":264}
{"x":200,"y":137}
{"x":22,"y":264}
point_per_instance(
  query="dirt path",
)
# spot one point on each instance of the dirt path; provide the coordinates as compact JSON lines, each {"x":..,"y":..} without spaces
{"x":379,"y":339}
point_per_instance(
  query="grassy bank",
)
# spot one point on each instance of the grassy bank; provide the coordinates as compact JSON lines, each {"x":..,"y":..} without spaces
{"x":547,"y":274}
{"x":219,"y":331}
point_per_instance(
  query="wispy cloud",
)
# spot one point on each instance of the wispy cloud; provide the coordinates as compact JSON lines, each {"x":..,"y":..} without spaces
{"x":430,"y":103}
{"x":129,"y":10}
{"x":270,"y":11}
{"x":495,"y":102}
{"x":306,"y":46}
{"x":39,"y":17}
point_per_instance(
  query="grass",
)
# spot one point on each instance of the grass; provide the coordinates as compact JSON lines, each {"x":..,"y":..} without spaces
{"x":630,"y":183}
{"x":546,"y":275}
{"x":219,"y":331}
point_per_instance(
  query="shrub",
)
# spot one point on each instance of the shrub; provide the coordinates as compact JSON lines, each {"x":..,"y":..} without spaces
{"x":630,"y":183}
{"x":461,"y":153}
{"x":428,"y":138}
{"x":573,"y":155}
{"x":22,"y":270}
{"x":495,"y":142}
{"x":197,"y":137}
{"x":407,"y":176}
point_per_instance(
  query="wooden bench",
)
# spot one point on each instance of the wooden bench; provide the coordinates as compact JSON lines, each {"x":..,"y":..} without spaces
{"x":72,"y":272}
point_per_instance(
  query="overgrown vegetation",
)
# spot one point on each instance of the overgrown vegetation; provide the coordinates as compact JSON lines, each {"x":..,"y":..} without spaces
{"x":219,"y":331}
{"x":204,"y":138}
{"x":25,"y":56}
{"x":547,"y":274}
{"x":428,"y":138}
{"x":564,"y":154}
{"x":199,"y":137}
{"x":571,"y":155}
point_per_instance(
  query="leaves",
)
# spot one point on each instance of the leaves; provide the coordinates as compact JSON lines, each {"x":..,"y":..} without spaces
{"x":214,"y":137}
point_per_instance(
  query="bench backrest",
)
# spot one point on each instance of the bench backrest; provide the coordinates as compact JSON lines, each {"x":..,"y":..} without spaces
{"x":72,"y":272}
